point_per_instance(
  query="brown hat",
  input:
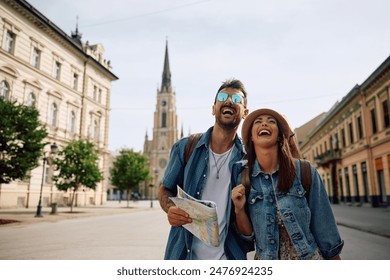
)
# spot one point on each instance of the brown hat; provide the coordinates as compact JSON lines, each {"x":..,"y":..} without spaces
{"x":248,"y":122}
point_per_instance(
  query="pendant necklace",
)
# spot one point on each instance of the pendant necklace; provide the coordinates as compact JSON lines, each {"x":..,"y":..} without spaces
{"x":223,"y":159}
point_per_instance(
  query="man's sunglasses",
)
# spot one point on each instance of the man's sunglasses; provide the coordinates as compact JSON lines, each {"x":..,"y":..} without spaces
{"x":223,"y":96}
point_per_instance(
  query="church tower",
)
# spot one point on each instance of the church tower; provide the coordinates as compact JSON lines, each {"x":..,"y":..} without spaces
{"x":165,"y":131}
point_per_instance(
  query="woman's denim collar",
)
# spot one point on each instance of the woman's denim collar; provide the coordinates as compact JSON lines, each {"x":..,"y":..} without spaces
{"x":257,"y":169}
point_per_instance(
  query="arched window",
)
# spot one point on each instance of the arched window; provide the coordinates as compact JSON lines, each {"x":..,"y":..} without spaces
{"x":31,"y":99}
{"x":54,"y":114}
{"x":4,"y":90}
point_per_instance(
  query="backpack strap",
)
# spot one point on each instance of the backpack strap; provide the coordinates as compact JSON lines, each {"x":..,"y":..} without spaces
{"x":192,"y":141}
{"x":305,"y":175}
{"x":245,"y":180}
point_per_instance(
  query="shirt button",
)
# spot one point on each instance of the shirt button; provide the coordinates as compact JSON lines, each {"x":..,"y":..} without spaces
{"x":253,"y":200}
{"x":204,"y":175}
{"x":272,"y":241}
{"x":266,"y":176}
{"x":272,"y":220}
{"x":271,"y":200}
{"x":188,"y":250}
{"x":197,"y":193}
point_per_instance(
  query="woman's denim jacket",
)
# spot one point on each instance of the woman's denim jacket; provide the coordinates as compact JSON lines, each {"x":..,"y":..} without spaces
{"x":193,"y":176}
{"x":309,"y":221}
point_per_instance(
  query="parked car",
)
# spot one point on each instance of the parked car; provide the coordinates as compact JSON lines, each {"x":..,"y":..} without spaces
{"x":135,"y":195}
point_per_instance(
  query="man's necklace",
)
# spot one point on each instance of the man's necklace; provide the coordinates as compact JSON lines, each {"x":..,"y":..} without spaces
{"x":223,"y":158}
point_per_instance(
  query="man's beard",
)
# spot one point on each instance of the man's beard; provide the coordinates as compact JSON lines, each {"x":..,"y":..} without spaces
{"x":227,"y":125}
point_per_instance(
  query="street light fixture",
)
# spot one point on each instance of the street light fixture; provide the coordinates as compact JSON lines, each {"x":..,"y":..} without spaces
{"x":53,"y":150}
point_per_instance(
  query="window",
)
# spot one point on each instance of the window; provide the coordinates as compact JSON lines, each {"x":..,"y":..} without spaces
{"x":341,"y":185}
{"x":100,"y":96}
{"x":54,"y":113}
{"x":351,"y":138}
{"x":386,"y":116}
{"x":343,"y":142}
{"x":347,"y":185}
{"x":47,"y":175}
{"x":36,"y":57}
{"x":4,"y":90}
{"x":365,"y":181}
{"x":381,"y":180}
{"x":335,"y":141}
{"x":31,"y":99}
{"x":355,"y":183}
{"x":373,"y":121}
{"x":10,"y":42}
{"x":57,"y":70}
{"x":95,"y":92}
{"x":164,"y":119}
{"x":72,"y":122}
{"x":75,"y":81}
{"x":96,"y":130}
{"x":360,"y":127}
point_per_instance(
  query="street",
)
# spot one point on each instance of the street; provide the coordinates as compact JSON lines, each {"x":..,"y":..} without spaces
{"x":139,"y":235}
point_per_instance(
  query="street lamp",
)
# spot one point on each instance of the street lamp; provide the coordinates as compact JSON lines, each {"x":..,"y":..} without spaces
{"x":53,"y":150}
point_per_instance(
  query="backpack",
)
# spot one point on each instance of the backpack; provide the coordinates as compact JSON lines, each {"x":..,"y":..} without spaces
{"x":305,"y":166}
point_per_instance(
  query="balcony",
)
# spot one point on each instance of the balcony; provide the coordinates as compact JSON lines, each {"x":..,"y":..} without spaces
{"x":327,"y":158}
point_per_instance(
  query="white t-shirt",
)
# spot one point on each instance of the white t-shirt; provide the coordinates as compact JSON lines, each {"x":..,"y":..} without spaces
{"x":216,"y":190}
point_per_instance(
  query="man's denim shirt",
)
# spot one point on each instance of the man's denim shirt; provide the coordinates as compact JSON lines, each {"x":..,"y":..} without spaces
{"x":193,"y":177}
{"x":309,"y":221}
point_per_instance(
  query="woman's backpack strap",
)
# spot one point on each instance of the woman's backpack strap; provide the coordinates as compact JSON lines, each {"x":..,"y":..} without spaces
{"x":305,"y":175}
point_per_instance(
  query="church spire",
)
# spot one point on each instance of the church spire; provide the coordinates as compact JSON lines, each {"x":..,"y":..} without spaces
{"x":76,"y":36}
{"x":166,"y":76}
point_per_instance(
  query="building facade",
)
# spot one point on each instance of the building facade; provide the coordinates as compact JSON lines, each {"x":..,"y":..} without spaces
{"x":351,"y":144}
{"x":68,"y":81}
{"x":165,"y":131}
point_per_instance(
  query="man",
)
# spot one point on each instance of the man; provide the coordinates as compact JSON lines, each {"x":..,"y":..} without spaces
{"x":206,"y":176}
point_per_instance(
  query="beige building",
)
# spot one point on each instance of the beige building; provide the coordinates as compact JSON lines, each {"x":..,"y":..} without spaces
{"x":165,"y":131}
{"x":351,"y":144}
{"x":68,"y":81}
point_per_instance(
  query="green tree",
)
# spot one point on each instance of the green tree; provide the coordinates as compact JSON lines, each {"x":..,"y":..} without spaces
{"x":77,"y":166}
{"x":21,"y":136}
{"x":129,"y":169}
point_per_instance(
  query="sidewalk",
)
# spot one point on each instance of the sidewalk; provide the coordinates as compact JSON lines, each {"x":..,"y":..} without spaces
{"x":364,"y":218}
{"x":19,"y":216}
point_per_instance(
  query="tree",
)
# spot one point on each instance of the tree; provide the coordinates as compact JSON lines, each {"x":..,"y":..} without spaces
{"x":21,"y":136}
{"x":129,"y":169}
{"x":78,"y":166}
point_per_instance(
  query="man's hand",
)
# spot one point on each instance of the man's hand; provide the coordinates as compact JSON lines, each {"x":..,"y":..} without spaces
{"x":178,"y":217}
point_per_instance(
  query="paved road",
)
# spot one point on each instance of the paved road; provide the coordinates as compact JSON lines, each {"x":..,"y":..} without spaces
{"x":114,"y":232}
{"x":136,"y":235}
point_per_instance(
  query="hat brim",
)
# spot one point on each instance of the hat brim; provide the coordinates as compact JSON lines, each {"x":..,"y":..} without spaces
{"x":248,"y":122}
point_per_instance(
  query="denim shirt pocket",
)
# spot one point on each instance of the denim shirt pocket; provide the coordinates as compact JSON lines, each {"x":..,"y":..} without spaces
{"x":254,"y":200}
{"x":297,"y":195}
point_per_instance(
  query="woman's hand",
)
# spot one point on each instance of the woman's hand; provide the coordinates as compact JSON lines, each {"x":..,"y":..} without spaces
{"x":238,"y":197}
{"x":243,"y":223}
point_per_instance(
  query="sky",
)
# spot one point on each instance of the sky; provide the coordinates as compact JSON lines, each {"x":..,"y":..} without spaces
{"x":298,"y":57}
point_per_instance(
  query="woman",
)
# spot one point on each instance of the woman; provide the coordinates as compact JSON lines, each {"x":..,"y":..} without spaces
{"x":286,"y":223}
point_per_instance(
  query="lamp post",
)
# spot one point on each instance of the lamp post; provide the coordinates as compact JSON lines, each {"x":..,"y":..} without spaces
{"x":151,"y":189}
{"x":53,"y":150}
